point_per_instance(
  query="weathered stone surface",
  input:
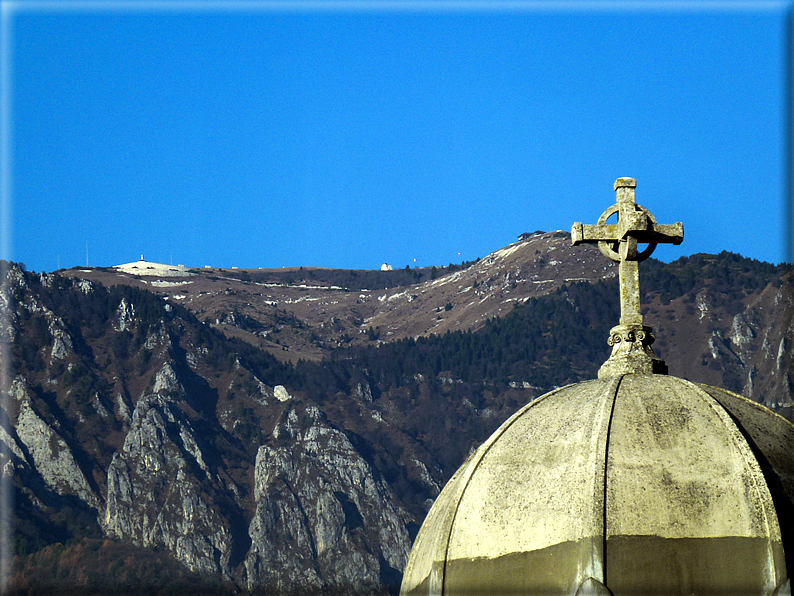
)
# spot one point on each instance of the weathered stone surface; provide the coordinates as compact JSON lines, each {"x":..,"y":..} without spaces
{"x":631,"y":352}
{"x":158,"y":338}
{"x":166,"y":381}
{"x":124,"y":409}
{"x":741,"y":331}
{"x":646,"y":483}
{"x":280,"y":393}
{"x":9,"y":318}
{"x":630,"y":340}
{"x":125,"y":314}
{"x":363,"y":391}
{"x":85,"y":286}
{"x":158,"y":482}
{"x":754,"y":348}
{"x":5,"y":437}
{"x":323,"y":517}
{"x":52,"y":458}
{"x":61,"y":343}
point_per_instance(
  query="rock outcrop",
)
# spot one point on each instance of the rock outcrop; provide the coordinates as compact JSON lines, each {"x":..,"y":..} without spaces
{"x":49,"y":454}
{"x":324,"y":518}
{"x":159,"y":487}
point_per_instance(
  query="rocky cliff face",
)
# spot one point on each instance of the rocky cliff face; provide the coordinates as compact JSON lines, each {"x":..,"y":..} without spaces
{"x":47,"y":451}
{"x":160,"y":488}
{"x":37,"y":457}
{"x":322,"y":512}
{"x":744,"y":345}
{"x":180,"y":449}
{"x":761,"y":340}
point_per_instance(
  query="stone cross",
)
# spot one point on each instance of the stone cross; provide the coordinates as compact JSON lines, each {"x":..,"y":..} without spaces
{"x":619,"y":242}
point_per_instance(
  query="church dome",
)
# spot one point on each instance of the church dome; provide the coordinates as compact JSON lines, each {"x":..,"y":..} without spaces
{"x":633,"y":483}
{"x":644,"y":483}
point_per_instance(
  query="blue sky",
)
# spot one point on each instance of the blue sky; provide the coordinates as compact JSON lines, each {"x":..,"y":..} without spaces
{"x":349,"y":135}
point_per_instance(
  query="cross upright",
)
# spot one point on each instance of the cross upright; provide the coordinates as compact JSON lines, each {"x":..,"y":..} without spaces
{"x":619,"y":242}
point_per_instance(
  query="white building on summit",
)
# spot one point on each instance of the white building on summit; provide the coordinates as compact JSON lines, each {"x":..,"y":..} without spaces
{"x":154,"y":269}
{"x":633,"y":483}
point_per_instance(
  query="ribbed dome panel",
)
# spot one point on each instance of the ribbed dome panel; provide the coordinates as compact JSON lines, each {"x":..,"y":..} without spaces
{"x":688,"y":509}
{"x":646,"y":483}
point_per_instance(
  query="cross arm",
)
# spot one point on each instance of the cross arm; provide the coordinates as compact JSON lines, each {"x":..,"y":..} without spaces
{"x":662,"y":234}
{"x":593,"y":233}
{"x":658,"y":233}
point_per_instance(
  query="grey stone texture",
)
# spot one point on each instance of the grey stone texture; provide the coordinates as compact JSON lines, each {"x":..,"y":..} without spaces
{"x":318,"y":502}
{"x":630,"y":340}
{"x":159,"y":488}
{"x":49,"y":454}
{"x":643,"y":483}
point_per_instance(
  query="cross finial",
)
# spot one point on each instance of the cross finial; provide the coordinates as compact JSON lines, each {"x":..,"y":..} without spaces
{"x":630,"y":340}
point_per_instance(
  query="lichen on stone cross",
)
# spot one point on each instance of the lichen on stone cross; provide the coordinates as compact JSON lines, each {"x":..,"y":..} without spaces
{"x":630,"y":340}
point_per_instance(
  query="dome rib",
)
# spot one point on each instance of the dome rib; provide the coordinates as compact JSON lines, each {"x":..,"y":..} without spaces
{"x":770,"y":438}
{"x":573,"y":420}
{"x":684,"y":485}
{"x":427,"y":571}
{"x":602,"y":480}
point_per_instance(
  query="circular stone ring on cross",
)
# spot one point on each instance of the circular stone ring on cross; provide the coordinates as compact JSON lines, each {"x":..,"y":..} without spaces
{"x":609,"y":248}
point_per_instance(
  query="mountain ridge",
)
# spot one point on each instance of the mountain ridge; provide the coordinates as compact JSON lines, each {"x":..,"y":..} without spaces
{"x":224,"y":436}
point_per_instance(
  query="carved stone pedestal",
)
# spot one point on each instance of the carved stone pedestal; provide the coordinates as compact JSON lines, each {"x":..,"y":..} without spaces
{"x":632,"y":353}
